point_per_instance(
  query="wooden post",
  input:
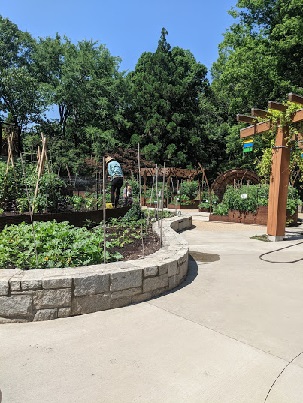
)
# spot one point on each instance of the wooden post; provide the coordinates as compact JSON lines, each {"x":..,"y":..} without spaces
{"x":40,"y":164}
{"x":104,"y":209}
{"x":144,"y":188}
{"x":157,"y":195}
{"x":10,"y":158}
{"x":278,"y":188}
{"x":139,"y":171}
{"x":280,"y":171}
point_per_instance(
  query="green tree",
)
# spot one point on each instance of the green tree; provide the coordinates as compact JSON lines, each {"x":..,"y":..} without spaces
{"x":83,"y":82}
{"x":260,"y":59}
{"x":166,"y":89}
{"x":20,"y":96}
{"x":282,"y":22}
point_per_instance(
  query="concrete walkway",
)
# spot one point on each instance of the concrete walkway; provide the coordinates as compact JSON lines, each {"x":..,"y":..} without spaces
{"x":233,"y":332}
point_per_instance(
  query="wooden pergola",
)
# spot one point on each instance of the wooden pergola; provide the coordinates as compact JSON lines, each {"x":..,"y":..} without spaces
{"x":173,"y":172}
{"x":280,"y":172}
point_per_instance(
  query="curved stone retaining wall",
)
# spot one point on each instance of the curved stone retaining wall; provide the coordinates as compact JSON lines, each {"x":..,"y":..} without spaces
{"x":57,"y":293}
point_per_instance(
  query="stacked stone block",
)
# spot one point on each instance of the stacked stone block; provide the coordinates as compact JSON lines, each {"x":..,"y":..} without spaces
{"x":37,"y":295}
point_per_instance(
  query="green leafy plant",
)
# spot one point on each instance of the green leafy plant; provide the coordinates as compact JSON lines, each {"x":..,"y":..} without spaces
{"x":134,"y":213}
{"x":53,"y":244}
{"x":185,"y":200}
{"x":10,"y":185}
{"x":221,"y":209}
{"x":248,"y":198}
{"x":189,"y":189}
{"x":22,"y":204}
{"x":208,"y":201}
{"x":77,"y":202}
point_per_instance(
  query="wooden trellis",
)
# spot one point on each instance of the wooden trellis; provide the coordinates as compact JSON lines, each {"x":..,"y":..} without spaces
{"x":42,"y":159}
{"x":280,"y":171}
{"x":10,"y":157}
{"x":172,"y":172}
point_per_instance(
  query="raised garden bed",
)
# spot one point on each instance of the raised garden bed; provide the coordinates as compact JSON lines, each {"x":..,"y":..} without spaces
{"x":77,"y":218}
{"x":193,"y":205}
{"x":259,"y":218}
{"x":35,"y":295}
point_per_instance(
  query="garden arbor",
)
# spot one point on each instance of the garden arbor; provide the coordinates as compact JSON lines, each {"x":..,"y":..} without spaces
{"x":279,"y":178}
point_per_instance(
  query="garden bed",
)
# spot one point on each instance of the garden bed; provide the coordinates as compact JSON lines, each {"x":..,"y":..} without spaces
{"x":35,"y":295}
{"x":259,"y":218}
{"x":77,"y":218}
{"x":191,"y":206}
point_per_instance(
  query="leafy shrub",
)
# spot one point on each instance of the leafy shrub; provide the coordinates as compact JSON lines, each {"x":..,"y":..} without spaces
{"x":257,"y":195}
{"x":77,"y":202}
{"x":189,"y":189}
{"x":18,"y":184}
{"x":292,"y":200}
{"x":185,"y":200}
{"x":208,"y":200}
{"x":51,"y":244}
{"x":10,"y":185}
{"x":22,"y":204}
{"x":51,"y":192}
{"x":204,"y":205}
{"x":221,"y":209}
{"x":134,"y":213}
{"x":154,"y":214}
{"x":134,"y":185}
{"x":232,"y":197}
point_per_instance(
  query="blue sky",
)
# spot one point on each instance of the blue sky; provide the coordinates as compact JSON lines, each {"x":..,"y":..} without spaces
{"x":128,"y":27}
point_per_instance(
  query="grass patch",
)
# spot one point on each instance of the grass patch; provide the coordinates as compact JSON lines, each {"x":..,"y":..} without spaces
{"x":263,"y":238}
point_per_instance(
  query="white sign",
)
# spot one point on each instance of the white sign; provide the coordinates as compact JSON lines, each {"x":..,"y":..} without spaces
{"x":244,"y":196}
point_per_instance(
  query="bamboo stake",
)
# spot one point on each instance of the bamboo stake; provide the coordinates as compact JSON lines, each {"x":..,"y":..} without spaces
{"x":40,"y":166}
{"x":104,"y":210}
{"x":140,"y":190}
{"x":97,"y":189}
{"x":10,"y":159}
{"x":38,"y":158}
{"x":44,"y":151}
{"x":68,"y":174}
{"x":157,"y":195}
{"x":151,"y":198}
{"x":163,"y":184}
{"x":30,"y":209}
{"x":139,"y":176}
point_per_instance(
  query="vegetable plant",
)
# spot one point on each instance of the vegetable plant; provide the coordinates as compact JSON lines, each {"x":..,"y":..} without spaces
{"x":249,"y":197}
{"x":189,"y":189}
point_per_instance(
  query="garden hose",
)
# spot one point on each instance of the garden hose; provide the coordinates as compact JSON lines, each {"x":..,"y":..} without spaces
{"x":277,"y":250}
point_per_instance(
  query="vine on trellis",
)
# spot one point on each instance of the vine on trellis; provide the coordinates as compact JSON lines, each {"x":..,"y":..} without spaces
{"x":263,"y":166}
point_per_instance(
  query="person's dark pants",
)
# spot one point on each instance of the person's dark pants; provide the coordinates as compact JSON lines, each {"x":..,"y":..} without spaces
{"x":116,"y":185}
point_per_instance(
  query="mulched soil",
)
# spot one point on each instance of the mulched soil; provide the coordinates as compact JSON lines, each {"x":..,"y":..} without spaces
{"x":137,"y":249}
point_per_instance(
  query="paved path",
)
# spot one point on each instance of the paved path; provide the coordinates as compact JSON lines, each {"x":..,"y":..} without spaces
{"x":233,"y":333}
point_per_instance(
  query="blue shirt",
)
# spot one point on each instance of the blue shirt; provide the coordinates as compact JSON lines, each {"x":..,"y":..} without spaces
{"x":114,"y":169}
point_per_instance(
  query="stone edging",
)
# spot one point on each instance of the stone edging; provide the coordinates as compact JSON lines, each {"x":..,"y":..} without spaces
{"x":35,"y":295}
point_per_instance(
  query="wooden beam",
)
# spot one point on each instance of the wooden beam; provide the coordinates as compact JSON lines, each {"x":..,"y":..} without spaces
{"x":277,"y":106}
{"x":297,"y":99}
{"x":278,"y":187}
{"x":260,"y":113}
{"x":255,"y":129}
{"x":298,"y":116}
{"x":246,"y":119}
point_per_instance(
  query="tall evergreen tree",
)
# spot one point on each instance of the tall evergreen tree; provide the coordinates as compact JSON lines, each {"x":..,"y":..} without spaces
{"x":166,"y":88}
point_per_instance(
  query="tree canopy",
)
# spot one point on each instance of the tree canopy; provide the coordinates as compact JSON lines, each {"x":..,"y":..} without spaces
{"x":167,"y":104}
